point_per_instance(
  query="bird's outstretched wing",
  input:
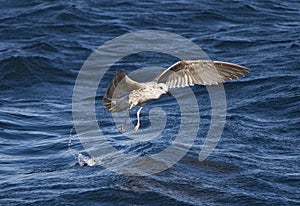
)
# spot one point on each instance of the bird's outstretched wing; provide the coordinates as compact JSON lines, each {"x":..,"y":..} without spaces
{"x":204,"y":72}
{"x":116,"y":95}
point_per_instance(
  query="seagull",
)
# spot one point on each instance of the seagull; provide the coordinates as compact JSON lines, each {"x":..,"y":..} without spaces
{"x":124,"y":93}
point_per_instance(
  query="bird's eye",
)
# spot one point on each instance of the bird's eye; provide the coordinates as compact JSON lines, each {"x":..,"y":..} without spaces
{"x":160,"y":87}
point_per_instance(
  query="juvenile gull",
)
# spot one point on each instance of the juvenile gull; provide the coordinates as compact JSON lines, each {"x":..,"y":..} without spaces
{"x":124,"y":93}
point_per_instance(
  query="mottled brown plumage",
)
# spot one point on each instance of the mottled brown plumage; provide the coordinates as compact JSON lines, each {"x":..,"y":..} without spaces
{"x":124,"y":93}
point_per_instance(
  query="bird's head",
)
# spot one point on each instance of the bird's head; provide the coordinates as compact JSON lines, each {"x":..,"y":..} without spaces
{"x":164,"y":88}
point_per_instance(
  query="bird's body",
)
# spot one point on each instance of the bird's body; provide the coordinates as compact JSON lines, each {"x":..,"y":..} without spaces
{"x":124,"y":93}
{"x":149,"y":91}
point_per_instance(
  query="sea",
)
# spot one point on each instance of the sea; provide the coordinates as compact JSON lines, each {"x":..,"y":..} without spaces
{"x":43,"y":158}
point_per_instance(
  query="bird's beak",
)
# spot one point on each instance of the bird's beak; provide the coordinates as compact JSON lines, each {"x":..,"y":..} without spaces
{"x":169,"y":93}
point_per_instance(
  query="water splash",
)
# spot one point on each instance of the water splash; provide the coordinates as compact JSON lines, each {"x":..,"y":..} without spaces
{"x":85,"y":160}
{"x":82,"y":160}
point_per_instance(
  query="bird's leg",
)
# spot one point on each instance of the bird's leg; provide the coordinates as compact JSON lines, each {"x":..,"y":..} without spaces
{"x":124,"y":123}
{"x":137,"y":126}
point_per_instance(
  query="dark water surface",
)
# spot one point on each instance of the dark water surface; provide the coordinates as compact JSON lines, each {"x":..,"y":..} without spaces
{"x":45,"y":43}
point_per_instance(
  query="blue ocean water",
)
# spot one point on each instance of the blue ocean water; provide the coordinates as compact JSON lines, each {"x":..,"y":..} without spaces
{"x":43,"y":47}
